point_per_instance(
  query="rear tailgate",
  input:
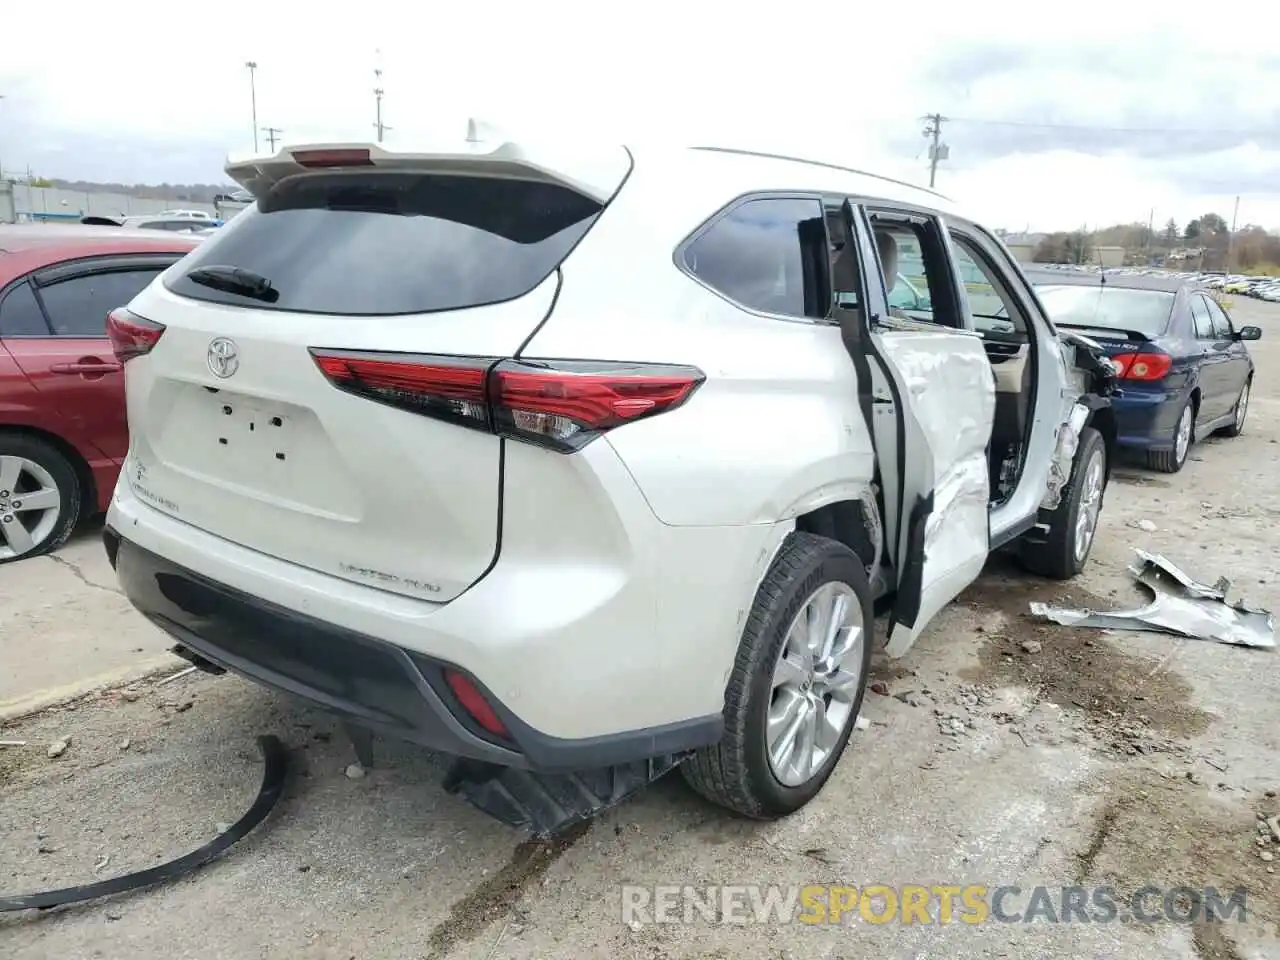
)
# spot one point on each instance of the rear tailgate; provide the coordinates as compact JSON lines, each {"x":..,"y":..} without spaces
{"x":236,"y":430}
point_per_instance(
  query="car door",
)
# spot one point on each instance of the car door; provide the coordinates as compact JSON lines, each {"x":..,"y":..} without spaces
{"x":70,"y":362}
{"x":935,"y":378}
{"x":1217,"y":382}
{"x":1236,"y":366}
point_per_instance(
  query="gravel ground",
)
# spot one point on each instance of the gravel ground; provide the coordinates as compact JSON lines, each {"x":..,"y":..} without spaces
{"x":1001,"y":751}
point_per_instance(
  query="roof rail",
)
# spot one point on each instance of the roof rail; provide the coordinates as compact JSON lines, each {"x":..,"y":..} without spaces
{"x":819,"y":163}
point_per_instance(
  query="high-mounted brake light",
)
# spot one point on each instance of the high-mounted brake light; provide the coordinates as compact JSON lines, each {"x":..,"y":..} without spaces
{"x":131,"y":335}
{"x":562,"y":405}
{"x":1143,"y":366}
{"x":332,"y":158}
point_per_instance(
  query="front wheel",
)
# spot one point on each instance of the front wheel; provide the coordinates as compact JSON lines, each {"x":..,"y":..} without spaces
{"x":797,"y":685}
{"x":1062,"y":552}
{"x":1242,"y":410}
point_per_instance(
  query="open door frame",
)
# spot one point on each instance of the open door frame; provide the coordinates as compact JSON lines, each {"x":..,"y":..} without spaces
{"x":933,"y":450}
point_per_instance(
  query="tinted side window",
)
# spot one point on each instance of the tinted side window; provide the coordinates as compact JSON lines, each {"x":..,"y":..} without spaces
{"x":1200,"y":317}
{"x":381,"y":244}
{"x":1221,"y":325}
{"x":20,"y":314}
{"x":78,"y":307}
{"x":762,"y":255}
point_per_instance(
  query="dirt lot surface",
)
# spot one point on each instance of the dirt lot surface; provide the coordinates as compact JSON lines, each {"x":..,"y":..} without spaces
{"x":1002,"y":751}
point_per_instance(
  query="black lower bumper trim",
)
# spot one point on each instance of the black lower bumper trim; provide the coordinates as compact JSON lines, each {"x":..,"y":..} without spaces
{"x":366,"y":681}
{"x":274,"y":766}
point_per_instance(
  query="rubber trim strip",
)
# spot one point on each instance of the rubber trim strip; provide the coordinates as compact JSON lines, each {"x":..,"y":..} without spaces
{"x":275,"y":764}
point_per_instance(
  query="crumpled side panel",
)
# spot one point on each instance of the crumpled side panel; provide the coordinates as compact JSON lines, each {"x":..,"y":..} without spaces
{"x":1063,"y":456}
{"x":951,"y":390}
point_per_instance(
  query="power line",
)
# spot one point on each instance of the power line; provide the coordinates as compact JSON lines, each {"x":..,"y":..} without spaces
{"x":273,"y":134}
{"x":1092,"y":128}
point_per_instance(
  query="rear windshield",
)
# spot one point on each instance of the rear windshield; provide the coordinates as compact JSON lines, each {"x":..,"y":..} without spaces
{"x":377,"y":244}
{"x":1108,"y":308}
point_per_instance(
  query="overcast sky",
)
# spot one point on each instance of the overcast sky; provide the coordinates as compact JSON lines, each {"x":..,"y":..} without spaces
{"x":1090,"y":114}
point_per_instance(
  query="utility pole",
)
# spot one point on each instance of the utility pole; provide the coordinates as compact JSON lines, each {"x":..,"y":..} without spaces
{"x":377,"y":99}
{"x":273,"y":134}
{"x":253,"y":99}
{"x":1231,"y":236}
{"x":937,"y":150}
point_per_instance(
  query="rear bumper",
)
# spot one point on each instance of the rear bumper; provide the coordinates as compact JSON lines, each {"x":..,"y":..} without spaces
{"x":1146,"y":420}
{"x":367,"y":681}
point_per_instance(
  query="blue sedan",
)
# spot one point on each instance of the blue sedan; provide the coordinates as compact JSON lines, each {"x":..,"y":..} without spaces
{"x":1184,"y":369}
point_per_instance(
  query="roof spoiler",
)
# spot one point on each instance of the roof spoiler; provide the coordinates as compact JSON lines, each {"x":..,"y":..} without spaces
{"x":594,"y":171}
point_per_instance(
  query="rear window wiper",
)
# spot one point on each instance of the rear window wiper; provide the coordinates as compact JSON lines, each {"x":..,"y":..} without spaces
{"x":235,"y":280}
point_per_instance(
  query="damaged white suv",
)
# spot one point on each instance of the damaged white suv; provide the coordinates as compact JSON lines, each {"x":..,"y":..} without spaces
{"x":581,"y":464}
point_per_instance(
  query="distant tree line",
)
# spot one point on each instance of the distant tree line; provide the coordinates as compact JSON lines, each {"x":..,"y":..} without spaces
{"x":172,"y":192}
{"x":1204,"y":243}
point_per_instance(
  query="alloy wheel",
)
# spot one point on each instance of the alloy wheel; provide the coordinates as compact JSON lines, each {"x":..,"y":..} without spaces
{"x":815,"y":683}
{"x":30,"y":504}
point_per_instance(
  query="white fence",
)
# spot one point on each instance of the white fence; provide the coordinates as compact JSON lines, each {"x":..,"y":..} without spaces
{"x":53,"y":203}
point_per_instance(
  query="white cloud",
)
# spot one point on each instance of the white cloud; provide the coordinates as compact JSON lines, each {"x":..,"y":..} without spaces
{"x":160,"y":91}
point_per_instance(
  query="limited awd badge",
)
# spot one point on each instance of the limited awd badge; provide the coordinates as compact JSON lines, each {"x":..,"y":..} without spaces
{"x":223,"y":357}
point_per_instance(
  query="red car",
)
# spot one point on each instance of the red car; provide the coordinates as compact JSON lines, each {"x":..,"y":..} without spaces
{"x":63,"y":433}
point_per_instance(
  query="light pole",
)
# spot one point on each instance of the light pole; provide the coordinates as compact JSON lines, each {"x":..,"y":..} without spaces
{"x":253,"y":100}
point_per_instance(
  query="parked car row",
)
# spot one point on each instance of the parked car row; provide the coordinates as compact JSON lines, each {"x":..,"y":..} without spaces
{"x":473,"y":498}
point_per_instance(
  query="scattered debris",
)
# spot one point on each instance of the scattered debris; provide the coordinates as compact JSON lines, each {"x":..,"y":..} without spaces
{"x":880,"y":688}
{"x":59,"y":747}
{"x":101,"y":864}
{"x":1266,"y":856}
{"x":222,"y":827}
{"x":1273,"y":824}
{"x":354,"y":771}
{"x":1146,"y":526}
{"x":13,"y":743}
{"x":1031,"y":646}
{"x":862,"y":723}
{"x":1180,"y":606}
{"x":176,"y":676}
{"x":125,"y":743}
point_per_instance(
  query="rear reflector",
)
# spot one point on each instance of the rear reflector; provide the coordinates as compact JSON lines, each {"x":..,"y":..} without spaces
{"x":324,"y":159}
{"x":472,"y":701}
{"x":131,"y":335}
{"x":1143,"y":366}
{"x":562,"y":405}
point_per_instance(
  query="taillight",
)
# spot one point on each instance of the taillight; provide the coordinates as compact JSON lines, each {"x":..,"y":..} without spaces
{"x":565,"y":405}
{"x":323,"y":159}
{"x":448,"y":388}
{"x":562,"y":405}
{"x":1143,"y":366}
{"x":472,"y":701}
{"x":131,"y":335}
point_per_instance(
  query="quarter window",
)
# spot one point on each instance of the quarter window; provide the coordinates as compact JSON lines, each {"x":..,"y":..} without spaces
{"x":764,"y":255}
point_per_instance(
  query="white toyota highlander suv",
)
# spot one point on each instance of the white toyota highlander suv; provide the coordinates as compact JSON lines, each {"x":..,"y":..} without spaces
{"x":581,"y":463}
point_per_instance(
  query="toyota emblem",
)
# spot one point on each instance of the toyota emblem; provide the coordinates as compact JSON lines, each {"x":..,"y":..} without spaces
{"x":223,"y":357}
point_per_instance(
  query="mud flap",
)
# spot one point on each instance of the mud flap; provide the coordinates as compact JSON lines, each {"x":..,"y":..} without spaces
{"x":546,"y":804}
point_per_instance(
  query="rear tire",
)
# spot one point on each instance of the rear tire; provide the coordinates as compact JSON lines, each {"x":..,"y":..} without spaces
{"x":1241,"y":411}
{"x":1184,"y":435}
{"x":39,"y":497}
{"x":1063,"y":552}
{"x":753,"y":770}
